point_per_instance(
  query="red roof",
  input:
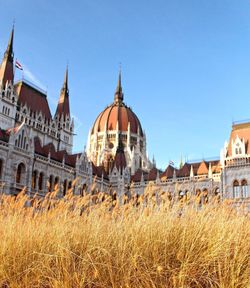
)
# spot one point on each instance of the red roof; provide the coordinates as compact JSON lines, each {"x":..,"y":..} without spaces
{"x":137,"y":176}
{"x":33,"y":98}
{"x":168,"y":173}
{"x":69,"y":159}
{"x":242,"y":131}
{"x":99,"y":171}
{"x":152,"y":175}
{"x":184,"y":171}
{"x":203,"y":168}
{"x":117,"y":113}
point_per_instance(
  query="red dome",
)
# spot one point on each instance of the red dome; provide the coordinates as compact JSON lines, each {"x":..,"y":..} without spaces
{"x":117,"y":112}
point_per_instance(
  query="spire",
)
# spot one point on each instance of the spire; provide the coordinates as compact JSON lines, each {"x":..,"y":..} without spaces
{"x":181,"y":162}
{"x":6,"y":69}
{"x":118,"y":92}
{"x":63,"y":103}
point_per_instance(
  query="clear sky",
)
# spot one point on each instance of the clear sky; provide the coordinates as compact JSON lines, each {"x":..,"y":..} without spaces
{"x":185,"y":64}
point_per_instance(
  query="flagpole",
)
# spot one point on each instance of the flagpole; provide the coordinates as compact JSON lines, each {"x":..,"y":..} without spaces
{"x":14,"y":69}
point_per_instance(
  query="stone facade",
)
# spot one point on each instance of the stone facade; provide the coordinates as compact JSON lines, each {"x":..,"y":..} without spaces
{"x":36,"y":149}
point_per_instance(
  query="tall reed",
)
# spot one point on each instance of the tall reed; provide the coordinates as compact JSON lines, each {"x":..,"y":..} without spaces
{"x":95,"y":241}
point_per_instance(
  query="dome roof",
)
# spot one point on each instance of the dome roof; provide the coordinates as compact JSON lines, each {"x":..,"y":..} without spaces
{"x":119,"y":113}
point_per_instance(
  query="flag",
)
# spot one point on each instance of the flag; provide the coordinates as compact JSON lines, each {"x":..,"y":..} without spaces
{"x":171,"y":163}
{"x":18,"y":65}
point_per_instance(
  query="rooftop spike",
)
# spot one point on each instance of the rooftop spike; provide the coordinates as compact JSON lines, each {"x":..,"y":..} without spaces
{"x":118,"y":92}
{"x":65,"y":83}
{"x":6,"y":69}
{"x":63,"y":109}
{"x":9,"y":50}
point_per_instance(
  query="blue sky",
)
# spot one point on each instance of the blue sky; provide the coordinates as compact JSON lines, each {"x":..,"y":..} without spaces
{"x":185,"y":64}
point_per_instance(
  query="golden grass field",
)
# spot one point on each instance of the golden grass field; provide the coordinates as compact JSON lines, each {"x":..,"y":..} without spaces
{"x":92,"y":241}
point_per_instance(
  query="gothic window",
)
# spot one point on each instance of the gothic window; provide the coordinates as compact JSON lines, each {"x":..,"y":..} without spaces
{"x":64,"y":187}
{"x":51,"y":180}
{"x":24,"y":143}
{"x":56,"y":183}
{"x":34,"y":177}
{"x":70,"y":185}
{"x":19,"y":140}
{"x":22,"y":139}
{"x":40,"y":181}
{"x":188,"y":195}
{"x":198,"y":196}
{"x":20,"y":174}
{"x":244,"y":188}
{"x":205,"y":196}
{"x":236,"y":189}
{"x":84,"y":189}
{"x":216,"y":191}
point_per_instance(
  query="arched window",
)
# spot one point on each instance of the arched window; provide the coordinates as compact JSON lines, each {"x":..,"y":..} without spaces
{"x":24,"y":143}
{"x":34,"y":177}
{"x":70,"y":185}
{"x":84,"y":189}
{"x":198,"y":196}
{"x":20,"y":174}
{"x":65,"y":187}
{"x":236,"y":189}
{"x":244,"y":188}
{"x":205,"y":196}
{"x":56,"y":183}
{"x":216,"y":191}
{"x":188,"y":195}
{"x":198,"y":192}
{"x":51,"y":182}
{"x":216,"y":194}
{"x":40,"y":181}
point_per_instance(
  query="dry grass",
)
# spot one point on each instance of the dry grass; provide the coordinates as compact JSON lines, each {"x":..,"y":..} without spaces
{"x":94,"y":242}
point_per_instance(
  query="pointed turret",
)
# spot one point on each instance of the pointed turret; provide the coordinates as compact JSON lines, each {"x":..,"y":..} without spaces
{"x":120,"y":159}
{"x":118,"y":92}
{"x":62,"y":109}
{"x":6,"y":69}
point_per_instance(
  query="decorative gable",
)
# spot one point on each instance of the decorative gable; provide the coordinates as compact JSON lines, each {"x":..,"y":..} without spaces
{"x":238,"y":147}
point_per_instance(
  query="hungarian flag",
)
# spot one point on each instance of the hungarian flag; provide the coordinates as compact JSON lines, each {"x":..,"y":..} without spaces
{"x":18,"y":65}
{"x":171,"y":163}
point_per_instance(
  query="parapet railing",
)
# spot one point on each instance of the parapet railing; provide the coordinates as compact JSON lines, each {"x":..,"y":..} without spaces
{"x":237,"y":162}
{"x":215,"y":177}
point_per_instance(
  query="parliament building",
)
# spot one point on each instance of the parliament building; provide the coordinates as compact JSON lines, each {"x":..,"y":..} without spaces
{"x":36,"y":149}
